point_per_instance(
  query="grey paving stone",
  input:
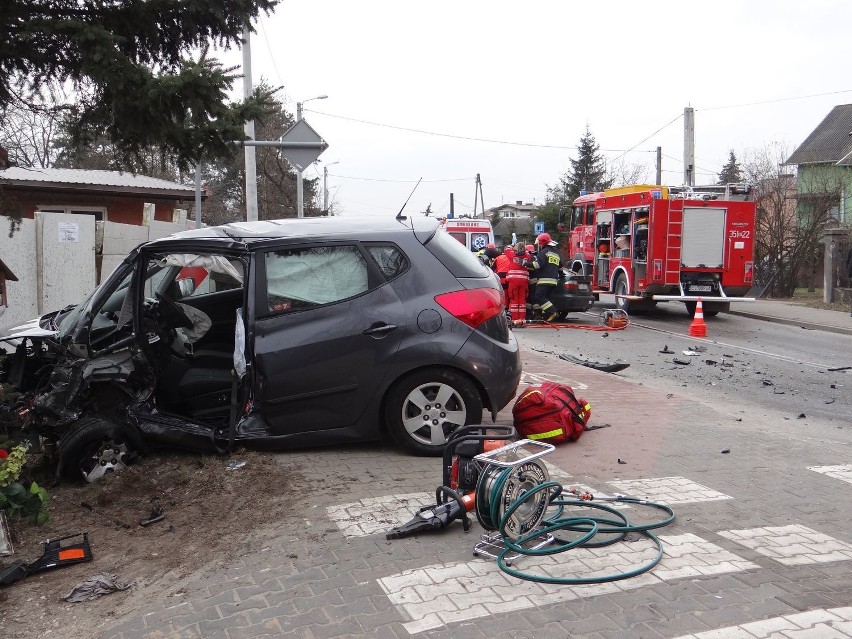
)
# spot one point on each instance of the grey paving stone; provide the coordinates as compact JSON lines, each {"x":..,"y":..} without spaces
{"x":303,"y":620}
{"x":216,"y":625}
{"x":269,"y":628}
{"x":322,"y":600}
{"x":809,"y":601}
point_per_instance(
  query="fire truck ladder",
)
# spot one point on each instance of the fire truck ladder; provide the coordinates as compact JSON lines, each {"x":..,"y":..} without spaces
{"x":674,"y":244}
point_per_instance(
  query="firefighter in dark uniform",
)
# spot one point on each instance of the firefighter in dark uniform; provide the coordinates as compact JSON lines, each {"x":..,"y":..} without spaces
{"x":548,"y":262}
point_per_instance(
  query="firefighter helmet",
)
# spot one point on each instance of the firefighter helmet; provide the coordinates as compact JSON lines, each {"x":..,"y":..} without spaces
{"x":543,"y":239}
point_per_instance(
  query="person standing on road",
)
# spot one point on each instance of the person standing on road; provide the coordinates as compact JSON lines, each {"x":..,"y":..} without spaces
{"x":503,"y":263}
{"x":517,"y":283}
{"x":548,"y":263}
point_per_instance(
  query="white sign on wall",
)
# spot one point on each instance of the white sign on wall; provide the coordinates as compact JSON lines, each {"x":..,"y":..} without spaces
{"x":69,"y":232}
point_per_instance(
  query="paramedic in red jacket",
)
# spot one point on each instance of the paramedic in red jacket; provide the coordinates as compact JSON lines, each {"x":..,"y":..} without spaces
{"x":503,"y":263}
{"x":549,"y":263}
{"x":517,"y":283}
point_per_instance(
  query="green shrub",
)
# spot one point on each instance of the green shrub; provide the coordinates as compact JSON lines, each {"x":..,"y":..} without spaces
{"x":15,"y":498}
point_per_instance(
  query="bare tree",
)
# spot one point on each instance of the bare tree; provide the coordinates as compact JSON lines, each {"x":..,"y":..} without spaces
{"x":623,"y":173}
{"x":792,"y":212}
{"x":28,"y":133}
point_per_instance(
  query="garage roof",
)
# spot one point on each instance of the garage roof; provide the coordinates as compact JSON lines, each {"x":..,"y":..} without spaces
{"x":92,"y":180}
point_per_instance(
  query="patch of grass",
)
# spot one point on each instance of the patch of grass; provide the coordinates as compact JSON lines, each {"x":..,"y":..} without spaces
{"x":814,"y":300}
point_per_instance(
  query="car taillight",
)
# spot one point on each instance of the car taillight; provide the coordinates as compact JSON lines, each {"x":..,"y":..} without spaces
{"x":472,"y":306}
{"x":571,"y":285}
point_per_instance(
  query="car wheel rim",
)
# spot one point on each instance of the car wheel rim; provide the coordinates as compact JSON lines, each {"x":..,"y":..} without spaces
{"x":431,"y":412}
{"x":109,"y":457}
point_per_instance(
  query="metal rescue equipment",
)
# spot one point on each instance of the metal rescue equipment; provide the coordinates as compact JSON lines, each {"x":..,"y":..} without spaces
{"x":650,"y":243}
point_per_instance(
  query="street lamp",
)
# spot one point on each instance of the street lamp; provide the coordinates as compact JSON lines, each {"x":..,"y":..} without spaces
{"x":300,"y":192}
{"x":325,"y":186}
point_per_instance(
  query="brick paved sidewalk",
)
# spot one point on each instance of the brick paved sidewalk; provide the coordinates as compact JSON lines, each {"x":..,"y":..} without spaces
{"x":762,"y":545}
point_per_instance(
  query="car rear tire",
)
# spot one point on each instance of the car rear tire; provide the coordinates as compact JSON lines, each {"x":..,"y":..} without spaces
{"x":97,"y":446}
{"x":426,"y":407}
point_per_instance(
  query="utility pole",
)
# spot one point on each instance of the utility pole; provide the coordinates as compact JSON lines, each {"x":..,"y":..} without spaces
{"x":477,"y":196}
{"x":325,"y":187}
{"x":659,"y":165}
{"x":251,"y":163}
{"x":300,"y":188}
{"x":452,"y":206}
{"x":689,"y":146}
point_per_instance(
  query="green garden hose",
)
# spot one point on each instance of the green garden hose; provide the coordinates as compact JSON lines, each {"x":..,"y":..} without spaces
{"x":490,"y":495}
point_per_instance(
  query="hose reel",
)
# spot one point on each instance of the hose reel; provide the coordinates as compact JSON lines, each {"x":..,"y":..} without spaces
{"x":504,"y":496}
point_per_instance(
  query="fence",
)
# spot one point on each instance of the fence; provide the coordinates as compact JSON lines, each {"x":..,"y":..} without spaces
{"x":838,"y":253}
{"x":60,"y":258}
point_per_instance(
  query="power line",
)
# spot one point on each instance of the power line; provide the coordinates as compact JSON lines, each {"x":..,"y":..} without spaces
{"x":269,"y":48}
{"x":349,"y":177}
{"x":455,"y":137}
{"x":798,"y":97}
{"x":679,"y":116}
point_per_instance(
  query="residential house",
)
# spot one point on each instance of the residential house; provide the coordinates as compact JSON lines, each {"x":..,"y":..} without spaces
{"x":106,"y":195}
{"x":514,"y":218}
{"x":824,"y":163}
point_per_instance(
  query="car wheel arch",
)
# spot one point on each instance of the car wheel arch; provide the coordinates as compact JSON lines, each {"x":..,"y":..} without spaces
{"x":482,"y":395}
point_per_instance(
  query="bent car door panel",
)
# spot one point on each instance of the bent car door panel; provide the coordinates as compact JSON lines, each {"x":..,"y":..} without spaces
{"x":319,"y":361}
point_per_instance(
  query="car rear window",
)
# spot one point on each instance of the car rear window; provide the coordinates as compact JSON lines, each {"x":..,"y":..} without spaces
{"x":455,"y":256}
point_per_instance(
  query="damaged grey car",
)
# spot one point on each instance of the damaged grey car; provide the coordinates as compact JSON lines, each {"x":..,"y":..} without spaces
{"x":279,"y":334}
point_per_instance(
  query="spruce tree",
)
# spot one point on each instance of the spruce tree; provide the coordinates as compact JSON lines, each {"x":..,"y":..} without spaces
{"x":731,"y":172}
{"x":588,"y":172}
{"x":137,"y":69}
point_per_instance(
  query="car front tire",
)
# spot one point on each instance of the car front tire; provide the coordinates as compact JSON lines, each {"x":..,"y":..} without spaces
{"x":423,"y":409}
{"x":95,"y":447}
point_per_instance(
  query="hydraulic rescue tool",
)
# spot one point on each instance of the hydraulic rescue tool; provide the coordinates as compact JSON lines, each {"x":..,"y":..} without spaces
{"x":455,"y":498}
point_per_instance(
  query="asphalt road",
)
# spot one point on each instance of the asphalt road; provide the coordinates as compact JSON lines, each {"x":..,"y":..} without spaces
{"x":743,"y":364}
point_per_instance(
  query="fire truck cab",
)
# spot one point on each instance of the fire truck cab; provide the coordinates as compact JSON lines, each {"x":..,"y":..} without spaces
{"x":650,"y":243}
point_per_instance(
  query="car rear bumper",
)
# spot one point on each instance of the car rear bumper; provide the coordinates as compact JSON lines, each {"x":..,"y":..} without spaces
{"x":495,"y":366}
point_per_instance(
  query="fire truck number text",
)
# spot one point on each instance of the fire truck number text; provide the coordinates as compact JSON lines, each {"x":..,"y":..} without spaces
{"x":739,"y":235}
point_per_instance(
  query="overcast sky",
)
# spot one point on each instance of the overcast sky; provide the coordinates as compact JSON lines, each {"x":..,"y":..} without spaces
{"x":532,"y":75}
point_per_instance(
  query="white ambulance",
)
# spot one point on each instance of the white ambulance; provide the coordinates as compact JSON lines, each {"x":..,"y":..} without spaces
{"x":474,"y":234}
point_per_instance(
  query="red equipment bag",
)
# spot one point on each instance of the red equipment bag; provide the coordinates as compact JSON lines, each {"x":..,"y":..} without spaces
{"x":551,"y":412}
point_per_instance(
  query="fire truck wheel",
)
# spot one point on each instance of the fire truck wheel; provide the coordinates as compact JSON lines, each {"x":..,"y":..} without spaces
{"x":426,"y":407}
{"x":712,"y":309}
{"x":620,"y":288}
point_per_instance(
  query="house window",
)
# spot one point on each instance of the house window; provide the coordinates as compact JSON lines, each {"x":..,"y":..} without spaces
{"x":99,"y":212}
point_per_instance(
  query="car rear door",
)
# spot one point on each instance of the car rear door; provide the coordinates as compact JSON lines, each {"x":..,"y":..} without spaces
{"x":327,"y":325}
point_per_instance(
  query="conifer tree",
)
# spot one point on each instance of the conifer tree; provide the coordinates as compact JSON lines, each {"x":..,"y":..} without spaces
{"x":137,"y":70}
{"x":731,"y":172}
{"x":588,"y":172}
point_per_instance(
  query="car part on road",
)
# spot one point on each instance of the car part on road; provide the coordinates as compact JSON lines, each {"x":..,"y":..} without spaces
{"x":425,"y":408}
{"x":606,"y":368}
{"x":55,"y":555}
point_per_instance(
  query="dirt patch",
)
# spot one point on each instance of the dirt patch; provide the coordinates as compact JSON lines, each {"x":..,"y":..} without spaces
{"x":212,"y":514}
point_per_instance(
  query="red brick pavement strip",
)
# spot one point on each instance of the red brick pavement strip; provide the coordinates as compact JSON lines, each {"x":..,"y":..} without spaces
{"x":639,"y":417}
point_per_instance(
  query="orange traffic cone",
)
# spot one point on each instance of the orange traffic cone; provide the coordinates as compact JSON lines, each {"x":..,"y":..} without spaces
{"x":698,"y":328}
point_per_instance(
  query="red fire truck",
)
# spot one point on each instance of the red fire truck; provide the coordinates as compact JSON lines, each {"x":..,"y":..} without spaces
{"x":649,"y":243}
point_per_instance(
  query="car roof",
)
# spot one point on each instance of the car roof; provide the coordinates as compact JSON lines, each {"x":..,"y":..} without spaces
{"x":337,"y":227}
